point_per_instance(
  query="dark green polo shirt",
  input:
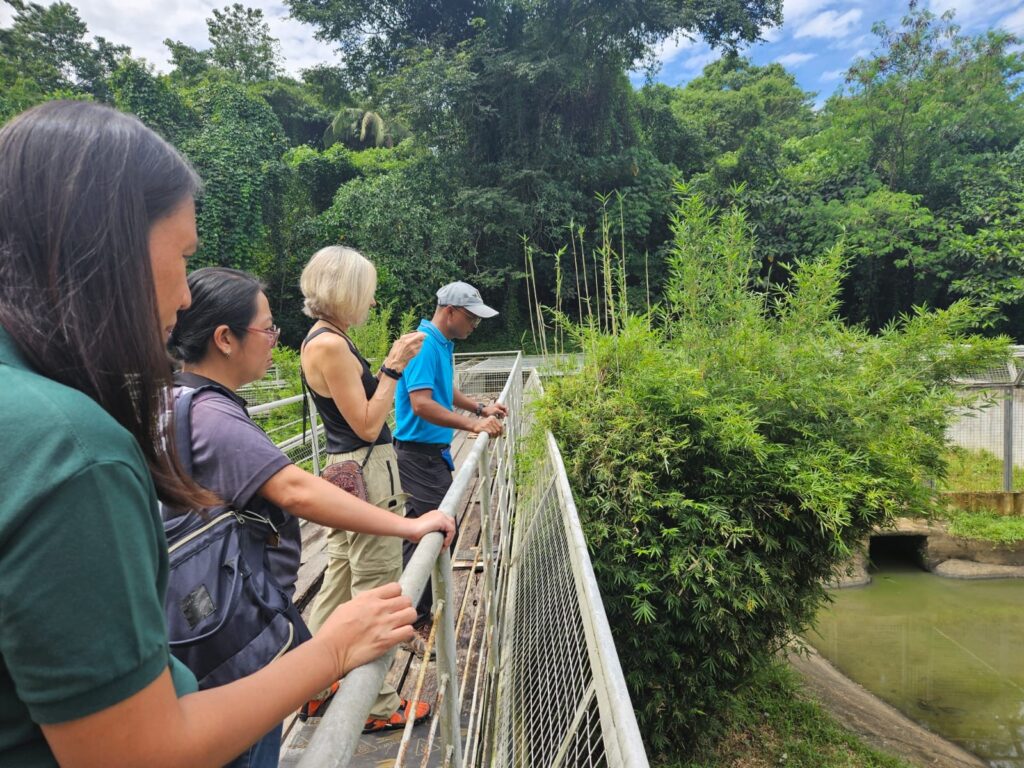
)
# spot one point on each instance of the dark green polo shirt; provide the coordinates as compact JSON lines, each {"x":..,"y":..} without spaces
{"x":83,"y":562}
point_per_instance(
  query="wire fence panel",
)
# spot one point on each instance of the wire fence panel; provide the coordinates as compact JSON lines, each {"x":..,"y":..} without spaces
{"x":546,"y":687}
{"x":561,"y":698}
{"x":987,"y":439}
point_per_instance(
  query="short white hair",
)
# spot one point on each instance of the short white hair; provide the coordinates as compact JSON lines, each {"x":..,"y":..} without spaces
{"x":338,"y":284}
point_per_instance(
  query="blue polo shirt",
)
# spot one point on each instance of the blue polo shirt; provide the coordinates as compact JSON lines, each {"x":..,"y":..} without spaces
{"x":434,"y":369}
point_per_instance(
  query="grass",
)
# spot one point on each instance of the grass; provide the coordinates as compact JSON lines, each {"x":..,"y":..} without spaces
{"x":981,"y":471}
{"x":772,"y":723}
{"x":987,"y":526}
{"x":976,"y":471}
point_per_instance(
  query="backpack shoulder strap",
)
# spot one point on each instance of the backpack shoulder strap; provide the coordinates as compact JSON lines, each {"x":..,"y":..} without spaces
{"x":182,"y":421}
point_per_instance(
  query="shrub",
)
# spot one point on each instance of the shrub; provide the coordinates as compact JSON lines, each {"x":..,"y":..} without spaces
{"x":729,"y":450}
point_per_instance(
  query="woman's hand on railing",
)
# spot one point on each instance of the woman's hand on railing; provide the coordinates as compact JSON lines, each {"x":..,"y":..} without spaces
{"x":430,"y":522}
{"x":365,"y":627}
{"x":405,"y":348}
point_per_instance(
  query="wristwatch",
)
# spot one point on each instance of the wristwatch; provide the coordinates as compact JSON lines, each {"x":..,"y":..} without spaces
{"x":390,"y":372}
{"x":479,"y":409}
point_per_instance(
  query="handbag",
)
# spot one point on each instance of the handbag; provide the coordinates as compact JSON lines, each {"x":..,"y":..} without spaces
{"x":348,"y":475}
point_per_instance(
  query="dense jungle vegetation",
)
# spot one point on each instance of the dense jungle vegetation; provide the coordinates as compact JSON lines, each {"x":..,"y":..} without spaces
{"x":457,"y":130}
{"x":745,"y":274}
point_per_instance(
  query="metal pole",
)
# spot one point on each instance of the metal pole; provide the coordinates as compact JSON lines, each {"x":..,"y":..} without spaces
{"x":1008,"y":440}
{"x":316,"y":436}
{"x":487,"y":542}
{"x":337,"y":736}
{"x":451,"y":708}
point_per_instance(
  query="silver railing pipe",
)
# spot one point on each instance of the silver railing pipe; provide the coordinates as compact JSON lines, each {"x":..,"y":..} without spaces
{"x":266,"y":407}
{"x":337,"y":735}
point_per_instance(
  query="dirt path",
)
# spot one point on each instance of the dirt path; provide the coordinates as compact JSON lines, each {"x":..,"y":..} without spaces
{"x":877,"y":723}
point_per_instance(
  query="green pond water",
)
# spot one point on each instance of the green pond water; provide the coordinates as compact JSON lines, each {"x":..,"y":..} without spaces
{"x":948,"y":653}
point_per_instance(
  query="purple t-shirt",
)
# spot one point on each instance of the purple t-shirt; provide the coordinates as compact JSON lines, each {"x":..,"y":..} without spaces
{"x":233,"y":457}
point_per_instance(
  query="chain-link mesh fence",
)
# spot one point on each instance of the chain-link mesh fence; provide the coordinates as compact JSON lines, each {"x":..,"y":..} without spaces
{"x":560,"y":698}
{"x":546,"y":676}
{"x":987,"y":439}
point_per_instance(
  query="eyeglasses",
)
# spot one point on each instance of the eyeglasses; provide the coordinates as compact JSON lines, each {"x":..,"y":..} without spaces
{"x":474,"y":320}
{"x":273,"y":332}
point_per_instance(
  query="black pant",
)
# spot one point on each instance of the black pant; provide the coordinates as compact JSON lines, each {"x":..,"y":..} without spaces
{"x":426,"y":478}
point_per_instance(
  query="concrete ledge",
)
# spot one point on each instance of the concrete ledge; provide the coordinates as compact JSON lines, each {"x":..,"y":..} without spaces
{"x":940,"y":546}
{"x":968,"y":569}
{"x":1007,"y":503}
{"x":853,"y":573}
{"x":879,"y":724}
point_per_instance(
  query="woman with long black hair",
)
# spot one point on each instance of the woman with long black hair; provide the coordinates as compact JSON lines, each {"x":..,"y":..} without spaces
{"x":97,"y":220}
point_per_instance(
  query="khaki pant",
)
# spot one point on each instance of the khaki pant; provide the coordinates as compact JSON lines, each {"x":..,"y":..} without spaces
{"x":358,"y":562}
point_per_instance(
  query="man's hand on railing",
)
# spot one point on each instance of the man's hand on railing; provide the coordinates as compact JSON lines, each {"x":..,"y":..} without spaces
{"x":435,"y":520}
{"x":362,"y":629}
{"x":496,"y":409}
{"x":490,"y":425}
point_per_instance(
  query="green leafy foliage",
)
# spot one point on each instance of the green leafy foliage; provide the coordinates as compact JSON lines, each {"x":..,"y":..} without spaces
{"x":242,"y":43}
{"x":237,"y":153}
{"x":969,"y":470}
{"x":730,"y":450}
{"x":49,"y":47}
{"x":152,"y":99}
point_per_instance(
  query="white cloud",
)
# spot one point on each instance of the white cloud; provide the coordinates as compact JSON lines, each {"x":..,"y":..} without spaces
{"x":971,"y":13}
{"x":861,"y":41}
{"x":832,"y":74}
{"x":701,"y":60}
{"x":863,"y":53}
{"x":1014,"y":22}
{"x":794,"y":59}
{"x":144,"y":25}
{"x":797,"y":10}
{"x":772,"y":34}
{"x":830,"y":24}
{"x":669,"y":49}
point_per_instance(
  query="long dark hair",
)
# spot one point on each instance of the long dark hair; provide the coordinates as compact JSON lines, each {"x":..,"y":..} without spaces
{"x":80,"y":186}
{"x":220,"y":296}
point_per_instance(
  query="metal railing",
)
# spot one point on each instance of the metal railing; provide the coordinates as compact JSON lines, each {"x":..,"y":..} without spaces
{"x":561,"y":697}
{"x":544,"y":687}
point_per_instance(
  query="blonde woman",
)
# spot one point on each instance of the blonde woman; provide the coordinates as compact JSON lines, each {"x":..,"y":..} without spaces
{"x":353,"y":402}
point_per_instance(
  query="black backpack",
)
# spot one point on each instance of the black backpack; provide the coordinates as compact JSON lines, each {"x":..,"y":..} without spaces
{"x":227,"y":617}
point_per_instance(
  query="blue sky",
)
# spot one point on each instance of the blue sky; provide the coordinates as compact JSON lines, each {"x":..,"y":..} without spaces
{"x":819,"y":39}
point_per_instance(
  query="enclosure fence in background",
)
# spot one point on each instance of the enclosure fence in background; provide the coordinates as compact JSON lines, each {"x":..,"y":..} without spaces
{"x":990,"y":436}
{"x":543,"y":686}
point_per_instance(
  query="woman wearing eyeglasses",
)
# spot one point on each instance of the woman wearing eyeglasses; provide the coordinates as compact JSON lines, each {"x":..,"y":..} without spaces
{"x":224,"y":341}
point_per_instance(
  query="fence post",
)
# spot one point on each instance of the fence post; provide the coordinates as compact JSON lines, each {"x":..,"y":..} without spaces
{"x":451,"y":710}
{"x":315,"y":435}
{"x":1008,"y":440}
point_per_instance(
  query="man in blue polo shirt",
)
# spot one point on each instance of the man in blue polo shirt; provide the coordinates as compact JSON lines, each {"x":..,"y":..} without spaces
{"x":425,"y":419}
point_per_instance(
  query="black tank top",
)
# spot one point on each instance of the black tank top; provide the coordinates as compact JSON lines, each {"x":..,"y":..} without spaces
{"x":340,"y":436}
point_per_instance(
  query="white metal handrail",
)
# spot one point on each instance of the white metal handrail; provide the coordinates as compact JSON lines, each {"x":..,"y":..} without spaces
{"x":546,"y":645}
{"x":337,"y":736}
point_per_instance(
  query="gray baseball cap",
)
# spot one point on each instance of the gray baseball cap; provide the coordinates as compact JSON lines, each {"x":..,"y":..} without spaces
{"x":461,"y":294}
